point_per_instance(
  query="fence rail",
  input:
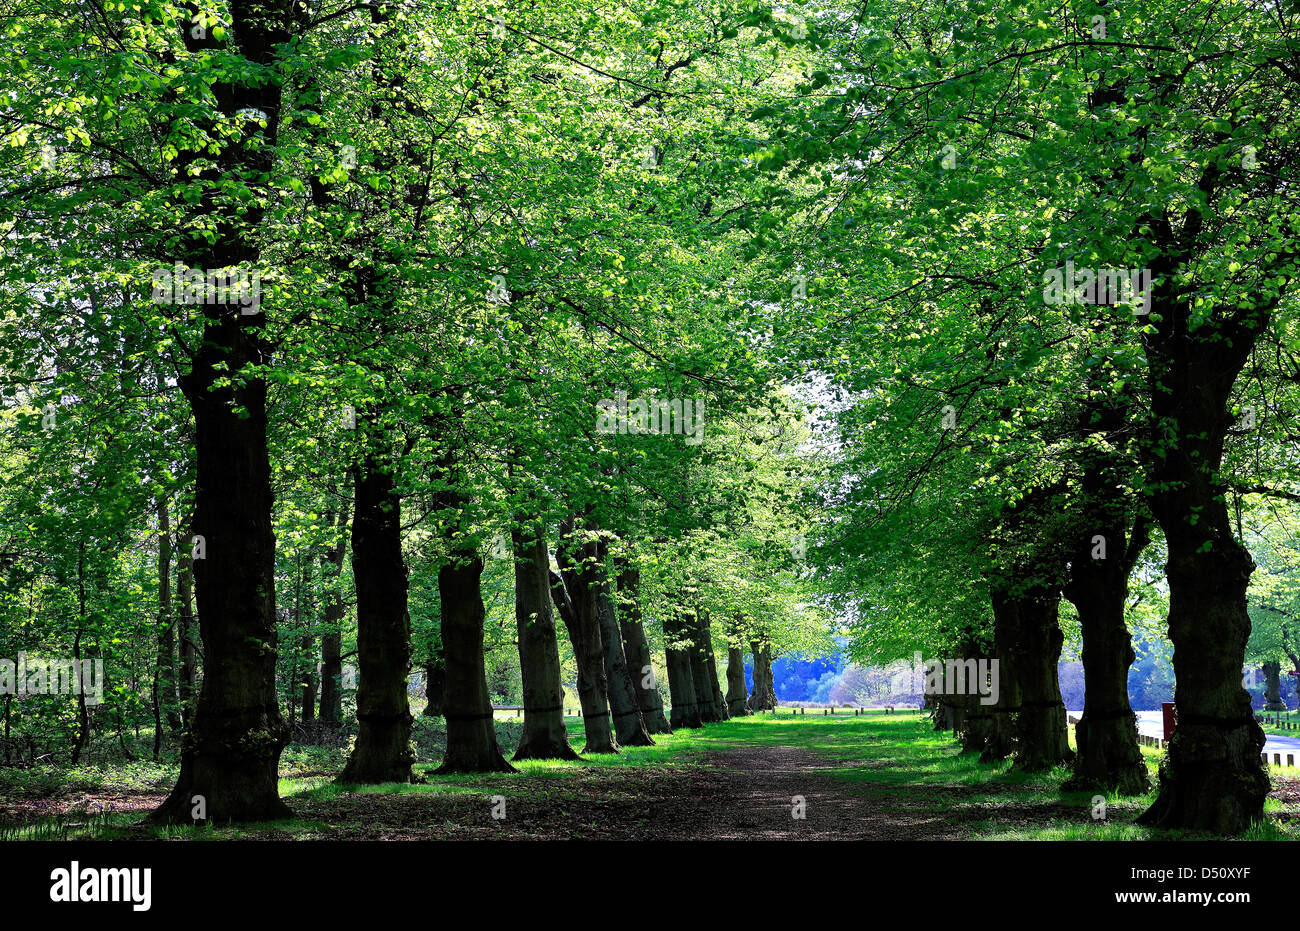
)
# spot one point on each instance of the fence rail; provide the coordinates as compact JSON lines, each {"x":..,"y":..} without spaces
{"x":1159,"y":744}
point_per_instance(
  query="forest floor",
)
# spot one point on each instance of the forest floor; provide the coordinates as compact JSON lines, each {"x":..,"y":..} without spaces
{"x":762,"y":777}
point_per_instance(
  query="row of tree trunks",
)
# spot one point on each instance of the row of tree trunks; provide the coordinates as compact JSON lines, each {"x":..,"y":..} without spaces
{"x":972,"y":719}
{"x":953,"y":714}
{"x":544,"y":736}
{"x":637,"y":648}
{"x":944,"y":702}
{"x":382,"y":752}
{"x":976,"y":724}
{"x":942,"y":711}
{"x":1028,"y":721}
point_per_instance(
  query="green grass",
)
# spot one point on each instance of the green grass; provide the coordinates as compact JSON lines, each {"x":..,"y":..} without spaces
{"x":1271,"y":723}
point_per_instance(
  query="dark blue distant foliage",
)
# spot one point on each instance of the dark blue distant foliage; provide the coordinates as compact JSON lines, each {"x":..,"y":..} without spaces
{"x":1150,"y":680}
{"x":796,"y":679}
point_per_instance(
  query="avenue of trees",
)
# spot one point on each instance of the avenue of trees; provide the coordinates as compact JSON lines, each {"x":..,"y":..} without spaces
{"x":642,"y":342}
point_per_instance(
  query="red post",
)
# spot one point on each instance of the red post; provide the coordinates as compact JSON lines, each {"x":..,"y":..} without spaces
{"x":1171,"y":718}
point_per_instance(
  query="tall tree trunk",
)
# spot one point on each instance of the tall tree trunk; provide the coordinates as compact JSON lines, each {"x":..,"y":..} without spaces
{"x":467,"y":707}
{"x":763,"y":697}
{"x":579,"y":616}
{"x":83,"y":712}
{"x":1273,"y":687}
{"x":737,"y":698}
{"x":382,"y":752}
{"x":996,"y":723}
{"x":711,"y":661}
{"x":308,"y":649}
{"x":297,"y":658}
{"x":166,"y":698}
{"x":681,"y":675}
{"x":972,"y":721}
{"x":233,"y":748}
{"x":435,"y":681}
{"x":1107,"y":736}
{"x":1110,"y":529}
{"x":188,"y":649}
{"x":592,"y":695}
{"x":637,"y":648}
{"x":544,"y":736}
{"x":1212,"y":778}
{"x":976,"y":724}
{"x":701,"y":650}
{"x":629,"y":724}
{"x":945,"y":714}
{"x":1041,"y":740}
{"x":331,"y":629}
{"x":231,"y":753}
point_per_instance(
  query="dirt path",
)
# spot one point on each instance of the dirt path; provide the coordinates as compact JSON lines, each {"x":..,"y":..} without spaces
{"x":739,"y":794}
{"x":760,"y":785}
{"x":744,"y":793}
